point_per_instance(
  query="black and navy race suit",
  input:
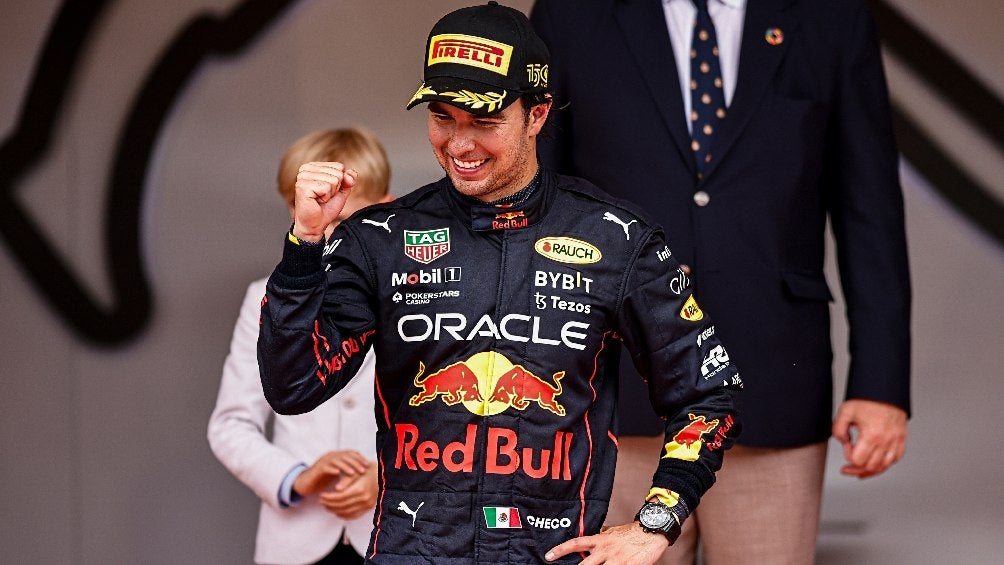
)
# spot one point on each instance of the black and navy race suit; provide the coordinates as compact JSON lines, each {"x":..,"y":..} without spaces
{"x":498,"y":332}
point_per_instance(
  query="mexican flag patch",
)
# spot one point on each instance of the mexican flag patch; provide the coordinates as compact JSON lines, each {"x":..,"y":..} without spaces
{"x":502,"y":517}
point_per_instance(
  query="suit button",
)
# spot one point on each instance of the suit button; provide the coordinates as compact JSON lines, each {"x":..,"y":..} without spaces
{"x":701,"y":198}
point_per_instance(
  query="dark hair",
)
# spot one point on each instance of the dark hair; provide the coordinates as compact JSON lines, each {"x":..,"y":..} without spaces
{"x":532,"y":99}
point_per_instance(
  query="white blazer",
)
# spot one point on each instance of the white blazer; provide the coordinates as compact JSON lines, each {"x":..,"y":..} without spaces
{"x":237,"y":435}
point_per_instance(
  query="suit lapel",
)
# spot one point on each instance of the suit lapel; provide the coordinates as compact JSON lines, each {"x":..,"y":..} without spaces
{"x":758,"y":61}
{"x":647,"y":37}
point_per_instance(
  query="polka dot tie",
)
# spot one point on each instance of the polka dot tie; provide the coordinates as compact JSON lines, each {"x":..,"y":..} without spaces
{"x":707,"y":107}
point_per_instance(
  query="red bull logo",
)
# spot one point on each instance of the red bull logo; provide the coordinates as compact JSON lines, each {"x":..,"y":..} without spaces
{"x":686,"y":444}
{"x":503,"y":454}
{"x":510,"y":385}
{"x":510,"y":220}
{"x":720,"y":433}
{"x":454,"y":383}
{"x":517,"y":387}
{"x":331,"y":360}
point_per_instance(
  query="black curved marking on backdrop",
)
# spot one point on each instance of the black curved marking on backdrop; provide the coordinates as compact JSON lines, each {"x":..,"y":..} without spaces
{"x":205,"y":35}
{"x":978,"y":104}
{"x":202,"y":36}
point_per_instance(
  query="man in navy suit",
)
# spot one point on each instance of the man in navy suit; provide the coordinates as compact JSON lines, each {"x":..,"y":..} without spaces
{"x":804,"y":135}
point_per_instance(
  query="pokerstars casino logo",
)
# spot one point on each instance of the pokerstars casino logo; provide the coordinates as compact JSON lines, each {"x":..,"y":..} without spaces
{"x":487,"y":384}
{"x":428,"y":245}
{"x":567,"y":250}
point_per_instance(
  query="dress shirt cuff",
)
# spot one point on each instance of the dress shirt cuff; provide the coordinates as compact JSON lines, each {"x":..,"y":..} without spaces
{"x":287,"y":496}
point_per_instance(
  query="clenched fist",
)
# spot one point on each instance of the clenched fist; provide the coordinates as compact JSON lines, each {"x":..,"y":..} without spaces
{"x":321,"y":192}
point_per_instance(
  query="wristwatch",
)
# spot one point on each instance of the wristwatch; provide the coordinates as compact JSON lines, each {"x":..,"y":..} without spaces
{"x":656,"y":517}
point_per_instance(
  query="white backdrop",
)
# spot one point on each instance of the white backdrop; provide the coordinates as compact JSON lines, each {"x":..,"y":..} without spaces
{"x":103,"y":457}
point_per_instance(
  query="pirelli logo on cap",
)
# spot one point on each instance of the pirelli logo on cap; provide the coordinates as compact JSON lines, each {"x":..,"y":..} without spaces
{"x":471,"y":51}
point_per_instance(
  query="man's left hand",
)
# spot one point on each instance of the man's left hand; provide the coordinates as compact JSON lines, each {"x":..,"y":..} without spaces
{"x":879,"y":438}
{"x":620,"y":545}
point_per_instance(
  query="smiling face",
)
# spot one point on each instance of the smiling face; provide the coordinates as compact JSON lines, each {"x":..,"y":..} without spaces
{"x":487,"y":157}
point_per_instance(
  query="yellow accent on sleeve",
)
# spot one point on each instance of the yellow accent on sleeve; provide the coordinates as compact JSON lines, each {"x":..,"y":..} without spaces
{"x":665,"y":496}
{"x":293,"y":239}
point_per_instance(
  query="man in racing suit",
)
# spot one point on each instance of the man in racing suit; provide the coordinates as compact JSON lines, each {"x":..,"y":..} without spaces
{"x":498,"y":300}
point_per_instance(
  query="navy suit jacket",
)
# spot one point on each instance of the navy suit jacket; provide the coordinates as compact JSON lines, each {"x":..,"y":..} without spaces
{"x":807,"y":138}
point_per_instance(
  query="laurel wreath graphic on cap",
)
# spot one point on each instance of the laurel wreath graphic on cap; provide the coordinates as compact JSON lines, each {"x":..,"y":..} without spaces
{"x":420,"y":93}
{"x":466,"y":97}
{"x":477,"y":101}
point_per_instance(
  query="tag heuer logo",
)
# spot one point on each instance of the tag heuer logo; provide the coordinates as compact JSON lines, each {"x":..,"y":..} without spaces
{"x":427,"y":246}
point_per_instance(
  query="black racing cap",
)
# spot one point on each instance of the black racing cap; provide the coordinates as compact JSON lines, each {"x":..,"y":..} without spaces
{"x":481,"y":59}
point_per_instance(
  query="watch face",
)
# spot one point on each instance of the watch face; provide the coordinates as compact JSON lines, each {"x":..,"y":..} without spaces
{"x":655,"y":516}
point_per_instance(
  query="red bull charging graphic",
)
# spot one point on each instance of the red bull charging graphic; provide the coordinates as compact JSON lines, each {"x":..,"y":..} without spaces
{"x":486,"y":384}
{"x":687,"y":442}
